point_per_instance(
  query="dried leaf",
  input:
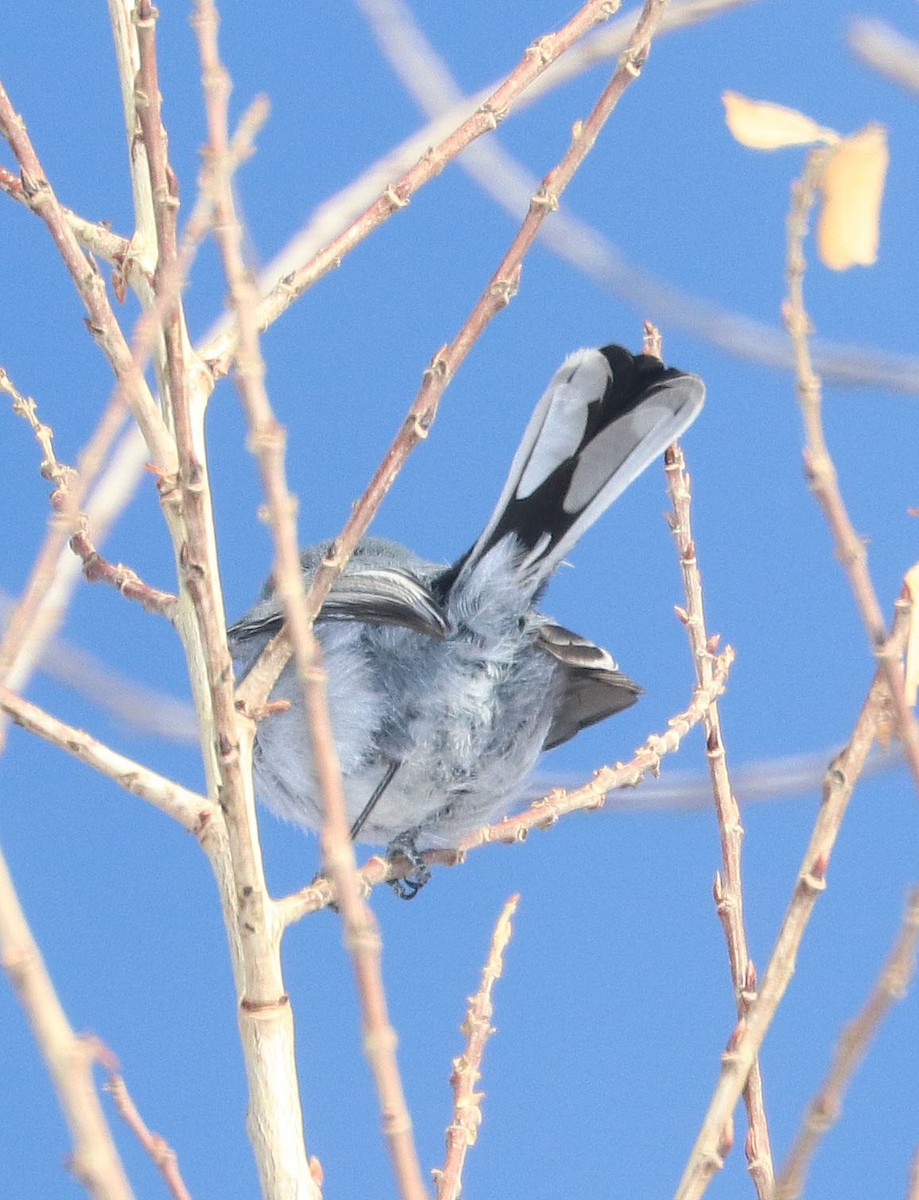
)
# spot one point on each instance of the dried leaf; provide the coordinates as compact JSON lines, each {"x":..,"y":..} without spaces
{"x":853,"y":188}
{"x":763,"y":125}
{"x":912,"y":644}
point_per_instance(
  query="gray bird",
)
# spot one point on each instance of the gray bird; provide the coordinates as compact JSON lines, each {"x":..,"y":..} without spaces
{"x":445,"y":682}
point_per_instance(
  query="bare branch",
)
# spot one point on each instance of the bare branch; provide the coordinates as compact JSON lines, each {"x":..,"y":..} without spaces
{"x":729,"y":881}
{"x":824,"y":1110}
{"x":191,"y":810}
{"x":821,"y":471}
{"x":467,"y":1102}
{"x":488,"y":115}
{"x":268,"y":440}
{"x":841,"y":778}
{"x":162,"y":1154}
{"x":95,"y":1161}
{"x":543,"y":813}
{"x":91,"y":286}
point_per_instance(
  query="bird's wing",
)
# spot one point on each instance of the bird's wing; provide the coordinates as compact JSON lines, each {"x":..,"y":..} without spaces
{"x":593,"y":687}
{"x":376,"y":595}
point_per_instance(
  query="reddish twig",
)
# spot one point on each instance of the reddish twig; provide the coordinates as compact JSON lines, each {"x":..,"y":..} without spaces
{"x":536,"y":59}
{"x":463,"y":1130}
{"x":500,"y":290}
{"x":729,"y":881}
{"x":65,"y":478}
{"x":543,"y":813}
{"x":841,"y":777}
{"x":164,"y":1157}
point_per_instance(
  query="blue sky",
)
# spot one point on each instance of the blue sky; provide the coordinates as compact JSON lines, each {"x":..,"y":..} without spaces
{"x":616,"y":1000}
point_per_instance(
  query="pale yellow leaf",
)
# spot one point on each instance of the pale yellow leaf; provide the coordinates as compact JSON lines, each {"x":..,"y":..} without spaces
{"x":912,"y":645}
{"x":853,"y":187}
{"x":763,"y":125}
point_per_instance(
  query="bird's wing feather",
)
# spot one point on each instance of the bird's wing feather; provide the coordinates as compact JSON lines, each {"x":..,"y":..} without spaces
{"x":374,"y":594}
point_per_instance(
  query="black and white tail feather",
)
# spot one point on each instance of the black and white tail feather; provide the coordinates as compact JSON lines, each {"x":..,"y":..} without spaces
{"x":446,"y":683}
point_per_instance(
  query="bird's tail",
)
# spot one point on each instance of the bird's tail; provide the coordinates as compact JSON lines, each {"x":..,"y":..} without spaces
{"x":605,"y":416}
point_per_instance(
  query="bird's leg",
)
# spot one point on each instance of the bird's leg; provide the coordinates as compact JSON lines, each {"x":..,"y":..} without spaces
{"x":372,"y":802}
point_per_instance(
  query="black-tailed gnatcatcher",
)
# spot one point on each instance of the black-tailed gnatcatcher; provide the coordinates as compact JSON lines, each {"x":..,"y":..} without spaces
{"x":445,"y":682}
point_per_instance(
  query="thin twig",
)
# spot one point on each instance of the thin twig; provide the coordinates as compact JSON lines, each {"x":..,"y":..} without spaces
{"x":728,"y":881}
{"x":164,"y":1157}
{"x":95,"y":1161}
{"x":65,"y":478}
{"x":23,"y":636}
{"x":190,"y":809}
{"x":543,"y":813}
{"x":93,"y":236}
{"x":824,"y":1110}
{"x":90,"y":284}
{"x":463,"y":1130}
{"x":841,"y":777}
{"x":536,"y":59}
{"x":912,"y":1187}
{"x":500,"y":290}
{"x":821,"y":471}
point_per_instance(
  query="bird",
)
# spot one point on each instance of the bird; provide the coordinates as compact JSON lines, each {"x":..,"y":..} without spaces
{"x":446,"y":682}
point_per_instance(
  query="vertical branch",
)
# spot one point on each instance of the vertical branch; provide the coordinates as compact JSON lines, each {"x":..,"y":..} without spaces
{"x":266,"y":1025}
{"x":268,"y":443}
{"x":839,"y":783}
{"x":467,"y":1111}
{"x":728,"y":881}
{"x":90,"y":285}
{"x":821,"y":471}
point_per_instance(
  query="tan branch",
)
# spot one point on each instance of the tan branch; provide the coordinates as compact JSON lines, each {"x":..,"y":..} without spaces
{"x":821,"y":471}
{"x":824,"y":1110}
{"x":467,"y":1069}
{"x":190,"y":809}
{"x":268,"y":440}
{"x":95,"y":1161}
{"x":841,"y":777}
{"x":88,"y":281}
{"x":542,"y":814}
{"x":728,"y":881}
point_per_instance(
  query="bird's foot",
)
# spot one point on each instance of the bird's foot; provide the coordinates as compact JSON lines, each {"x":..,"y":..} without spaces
{"x":407,"y":887}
